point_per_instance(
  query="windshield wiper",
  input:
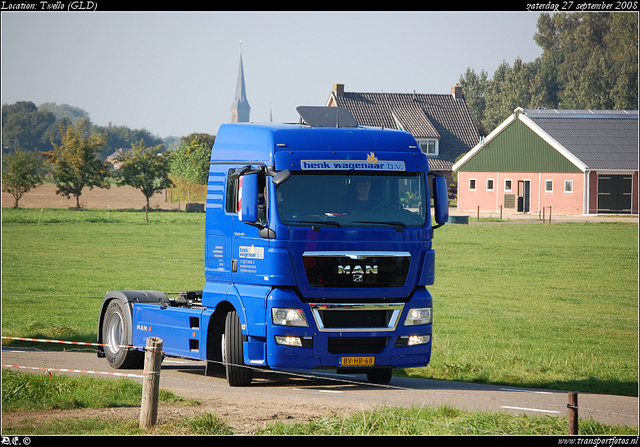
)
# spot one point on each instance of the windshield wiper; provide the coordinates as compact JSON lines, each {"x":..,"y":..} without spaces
{"x":321,"y":222}
{"x":382,"y":223}
{"x":398,"y":225}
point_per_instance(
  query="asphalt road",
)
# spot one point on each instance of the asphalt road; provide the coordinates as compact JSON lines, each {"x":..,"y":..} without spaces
{"x":186,"y":378}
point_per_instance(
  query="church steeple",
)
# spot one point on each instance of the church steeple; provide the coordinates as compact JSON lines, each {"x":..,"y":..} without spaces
{"x":240,"y":107}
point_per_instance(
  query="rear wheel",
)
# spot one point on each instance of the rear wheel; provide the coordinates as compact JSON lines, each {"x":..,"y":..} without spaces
{"x":232,"y":352}
{"x":116,"y":334}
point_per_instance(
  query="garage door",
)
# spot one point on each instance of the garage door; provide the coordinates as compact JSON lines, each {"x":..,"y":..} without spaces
{"x":614,"y":193}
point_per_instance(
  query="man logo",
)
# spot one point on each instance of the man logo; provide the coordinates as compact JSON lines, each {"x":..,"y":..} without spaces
{"x":357,"y":271}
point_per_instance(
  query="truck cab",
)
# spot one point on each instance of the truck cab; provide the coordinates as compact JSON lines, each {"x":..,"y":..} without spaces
{"x":318,"y":253}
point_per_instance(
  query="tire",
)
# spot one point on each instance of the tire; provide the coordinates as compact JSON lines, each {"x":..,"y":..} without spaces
{"x":232,"y":352}
{"x":380,"y":376}
{"x":116,"y":331}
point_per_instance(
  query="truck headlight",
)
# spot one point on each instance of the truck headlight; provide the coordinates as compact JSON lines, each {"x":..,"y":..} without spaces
{"x":288,"y":341}
{"x":412,"y":340}
{"x":419,"y":316}
{"x":288,"y":317}
{"x":297,"y":342}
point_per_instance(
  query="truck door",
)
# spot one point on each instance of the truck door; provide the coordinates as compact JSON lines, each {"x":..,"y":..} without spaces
{"x":249,"y":249}
{"x":218,"y":226}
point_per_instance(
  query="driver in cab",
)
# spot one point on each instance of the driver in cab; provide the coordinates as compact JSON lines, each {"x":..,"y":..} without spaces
{"x":361,"y":201}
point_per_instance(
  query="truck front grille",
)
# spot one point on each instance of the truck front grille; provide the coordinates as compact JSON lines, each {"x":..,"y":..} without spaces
{"x":357,"y":345}
{"x":356,"y":317}
{"x":356,"y":269}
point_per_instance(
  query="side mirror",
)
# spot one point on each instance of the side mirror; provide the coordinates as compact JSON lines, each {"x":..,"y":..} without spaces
{"x":248,"y":198}
{"x":440,"y":201}
{"x":281,"y":177}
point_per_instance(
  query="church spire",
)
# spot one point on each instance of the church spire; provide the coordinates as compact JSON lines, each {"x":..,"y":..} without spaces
{"x":240,"y":107}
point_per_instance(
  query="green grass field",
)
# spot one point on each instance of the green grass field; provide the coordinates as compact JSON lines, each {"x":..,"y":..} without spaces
{"x":22,"y":392}
{"x":552,"y":306}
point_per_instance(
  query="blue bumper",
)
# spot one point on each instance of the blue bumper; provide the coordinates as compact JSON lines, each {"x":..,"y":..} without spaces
{"x":326,"y":348}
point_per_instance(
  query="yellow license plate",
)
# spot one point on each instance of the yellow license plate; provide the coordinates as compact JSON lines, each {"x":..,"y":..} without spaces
{"x":357,"y":361}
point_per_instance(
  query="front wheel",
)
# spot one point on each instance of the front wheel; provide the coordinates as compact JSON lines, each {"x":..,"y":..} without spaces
{"x":233,"y":354}
{"x":116,"y":334}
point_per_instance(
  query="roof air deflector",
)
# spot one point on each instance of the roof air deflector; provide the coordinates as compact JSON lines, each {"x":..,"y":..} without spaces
{"x":320,"y":116}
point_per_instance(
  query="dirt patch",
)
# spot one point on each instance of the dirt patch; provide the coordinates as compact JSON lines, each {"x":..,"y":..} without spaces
{"x":117,"y":197}
{"x":242,"y":419}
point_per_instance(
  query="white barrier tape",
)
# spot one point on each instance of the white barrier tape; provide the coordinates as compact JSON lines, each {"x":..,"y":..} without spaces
{"x":48,"y":370}
{"x":78,"y":343}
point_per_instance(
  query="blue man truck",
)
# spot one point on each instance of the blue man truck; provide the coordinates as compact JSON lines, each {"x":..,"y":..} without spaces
{"x":318,"y":251}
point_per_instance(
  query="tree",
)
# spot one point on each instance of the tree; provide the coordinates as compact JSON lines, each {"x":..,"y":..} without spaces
{"x":589,"y":61}
{"x":75,"y":163}
{"x":119,"y":137}
{"x":622,"y":44}
{"x":191,"y":160}
{"x":510,"y":87}
{"x":474,"y":88}
{"x":73,"y":114}
{"x":25,"y":127}
{"x":22,"y":171}
{"x":593,"y":58}
{"x":145,"y":168}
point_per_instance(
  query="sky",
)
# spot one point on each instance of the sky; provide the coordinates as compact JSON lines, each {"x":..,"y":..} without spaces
{"x":174,"y":73}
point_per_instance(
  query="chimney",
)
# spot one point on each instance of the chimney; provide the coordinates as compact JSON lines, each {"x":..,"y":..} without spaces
{"x":338,"y":89}
{"x":456,"y":91}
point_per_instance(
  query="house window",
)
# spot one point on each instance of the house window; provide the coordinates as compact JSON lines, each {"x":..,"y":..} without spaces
{"x":472,"y":184}
{"x":507,"y":185}
{"x":489,"y":184}
{"x":548,"y":186}
{"x":568,"y":186}
{"x":429,"y":147}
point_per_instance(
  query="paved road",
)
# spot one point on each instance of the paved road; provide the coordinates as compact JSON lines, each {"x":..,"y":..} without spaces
{"x":186,"y":378}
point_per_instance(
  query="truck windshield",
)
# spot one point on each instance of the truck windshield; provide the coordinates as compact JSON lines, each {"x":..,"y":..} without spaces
{"x":350,"y":199}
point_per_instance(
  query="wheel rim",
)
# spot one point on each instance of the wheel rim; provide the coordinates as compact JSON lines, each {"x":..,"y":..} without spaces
{"x":224,"y":350}
{"x":114,"y":333}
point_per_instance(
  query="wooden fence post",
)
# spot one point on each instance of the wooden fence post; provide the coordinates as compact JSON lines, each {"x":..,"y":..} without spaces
{"x":151,"y":383}
{"x":573,"y":413}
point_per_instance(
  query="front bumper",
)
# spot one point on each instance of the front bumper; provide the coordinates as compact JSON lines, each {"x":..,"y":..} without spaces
{"x":322,"y":347}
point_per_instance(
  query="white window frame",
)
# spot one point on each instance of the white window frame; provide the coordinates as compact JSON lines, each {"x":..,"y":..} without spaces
{"x":510,"y":187}
{"x":475,"y":184}
{"x":570,"y":184}
{"x":493,"y":184}
{"x":547,"y":182}
{"x":424,"y":144}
